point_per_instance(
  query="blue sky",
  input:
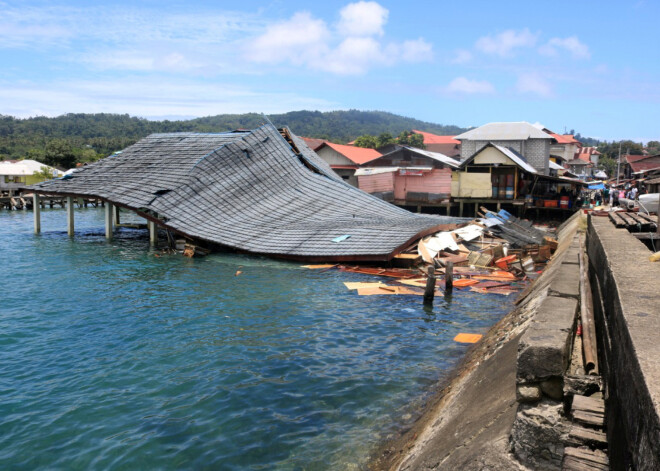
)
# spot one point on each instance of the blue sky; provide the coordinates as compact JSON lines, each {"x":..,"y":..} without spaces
{"x":584,"y":65}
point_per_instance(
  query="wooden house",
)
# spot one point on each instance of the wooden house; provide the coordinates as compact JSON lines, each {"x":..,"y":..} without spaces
{"x":17,"y":174}
{"x":499,"y":175}
{"x":408,"y":176}
{"x":345,"y":160}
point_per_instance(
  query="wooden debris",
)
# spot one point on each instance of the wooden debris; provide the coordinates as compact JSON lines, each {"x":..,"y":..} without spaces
{"x":588,"y":436}
{"x":581,"y":459}
{"x":359,"y":285}
{"x":589,"y":411}
{"x":318,"y":267}
{"x":386,"y":289}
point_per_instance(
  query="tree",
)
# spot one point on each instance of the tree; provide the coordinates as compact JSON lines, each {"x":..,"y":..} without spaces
{"x":409,"y":138}
{"x":608,"y":165}
{"x":44,"y":174}
{"x":59,"y":153}
{"x":366,"y":141}
{"x":384,"y":139}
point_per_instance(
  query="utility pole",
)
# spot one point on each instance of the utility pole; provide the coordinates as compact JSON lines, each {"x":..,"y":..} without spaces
{"x":618,"y":166}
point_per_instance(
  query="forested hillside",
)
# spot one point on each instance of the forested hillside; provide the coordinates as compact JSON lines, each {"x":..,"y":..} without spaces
{"x":72,"y":138}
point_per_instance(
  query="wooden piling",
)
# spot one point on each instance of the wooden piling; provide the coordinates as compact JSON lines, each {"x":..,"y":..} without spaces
{"x":153,"y":233}
{"x":37,"y":213}
{"x":108,"y":220}
{"x":69,"y":215}
{"x":429,"y":291}
{"x":449,"y":277}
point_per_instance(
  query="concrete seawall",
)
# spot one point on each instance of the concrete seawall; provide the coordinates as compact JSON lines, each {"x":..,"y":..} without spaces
{"x":510,"y":404}
{"x":629,"y":325}
{"x":469,"y":423}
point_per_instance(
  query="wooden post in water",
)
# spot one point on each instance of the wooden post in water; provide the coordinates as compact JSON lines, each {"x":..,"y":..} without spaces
{"x":449,"y":277}
{"x":117,"y":221}
{"x":429,"y":291}
{"x":153,"y":233}
{"x":37,"y":213}
{"x":69,"y":215}
{"x":108,"y":220}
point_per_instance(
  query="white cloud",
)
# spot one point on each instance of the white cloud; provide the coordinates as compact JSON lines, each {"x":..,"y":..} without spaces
{"x":298,"y":40}
{"x":144,"y":96}
{"x":362,"y":19}
{"x":506,"y":42}
{"x":352,"y":48}
{"x":534,"y":84}
{"x":462,"y":56}
{"x":469,"y":87}
{"x":572,"y":44}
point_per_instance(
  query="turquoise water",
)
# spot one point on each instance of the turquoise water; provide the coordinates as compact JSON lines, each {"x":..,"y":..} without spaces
{"x":114,"y":358}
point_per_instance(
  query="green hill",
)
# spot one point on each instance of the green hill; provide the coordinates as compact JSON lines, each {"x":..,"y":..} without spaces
{"x":86,"y":137}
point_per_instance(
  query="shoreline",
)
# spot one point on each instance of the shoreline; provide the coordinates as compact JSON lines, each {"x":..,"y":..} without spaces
{"x":394,"y":453}
{"x":467,"y":420}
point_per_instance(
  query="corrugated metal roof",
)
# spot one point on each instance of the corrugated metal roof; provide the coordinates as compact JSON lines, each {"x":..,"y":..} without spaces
{"x":555,"y":166}
{"x":24,"y":167}
{"x":515,"y":131}
{"x":430,"y":138}
{"x":510,"y":153}
{"x":250,"y":191}
{"x":359,"y":155}
{"x":435,"y":156}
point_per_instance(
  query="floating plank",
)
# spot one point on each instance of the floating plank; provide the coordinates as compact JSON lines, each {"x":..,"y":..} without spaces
{"x":397,"y":290}
{"x":360,"y":284}
{"x":465,"y":282}
{"x":501,"y":291}
{"x":467,"y":338}
{"x":317,"y":267}
{"x":579,"y":459}
{"x":420,"y":282}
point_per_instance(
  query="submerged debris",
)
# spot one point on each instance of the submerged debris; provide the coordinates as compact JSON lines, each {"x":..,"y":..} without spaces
{"x":490,"y":255}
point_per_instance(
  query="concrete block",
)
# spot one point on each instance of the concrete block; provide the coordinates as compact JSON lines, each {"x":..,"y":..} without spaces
{"x":566,"y":282}
{"x":542,"y":354}
{"x":572,"y":256}
{"x":556,"y":313}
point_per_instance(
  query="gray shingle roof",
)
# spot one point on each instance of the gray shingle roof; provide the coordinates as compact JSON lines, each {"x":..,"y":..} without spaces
{"x":515,"y":131}
{"x":252,"y":192}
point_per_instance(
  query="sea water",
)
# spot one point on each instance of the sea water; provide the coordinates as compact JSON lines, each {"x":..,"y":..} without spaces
{"x":114,"y":355}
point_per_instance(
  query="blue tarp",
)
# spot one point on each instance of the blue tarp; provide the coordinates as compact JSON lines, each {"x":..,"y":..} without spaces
{"x":598,"y":186}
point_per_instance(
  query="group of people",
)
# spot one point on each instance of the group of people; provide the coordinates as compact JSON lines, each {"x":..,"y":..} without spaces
{"x":612,"y":195}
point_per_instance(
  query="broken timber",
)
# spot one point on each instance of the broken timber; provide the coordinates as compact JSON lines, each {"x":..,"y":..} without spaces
{"x":261,"y":192}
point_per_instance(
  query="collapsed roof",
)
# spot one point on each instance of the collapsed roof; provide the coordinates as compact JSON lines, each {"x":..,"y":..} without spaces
{"x":262,"y":191}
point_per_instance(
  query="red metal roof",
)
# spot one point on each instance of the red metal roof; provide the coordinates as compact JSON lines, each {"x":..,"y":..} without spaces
{"x":564,"y":138}
{"x":435,"y":139}
{"x":647,"y":163}
{"x":313,"y":143}
{"x":359,"y":155}
{"x":633,"y":158}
